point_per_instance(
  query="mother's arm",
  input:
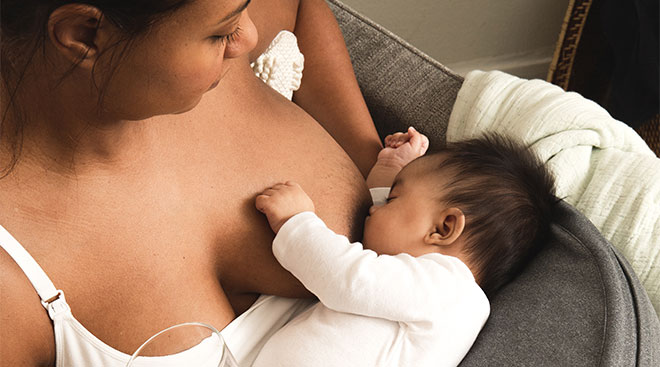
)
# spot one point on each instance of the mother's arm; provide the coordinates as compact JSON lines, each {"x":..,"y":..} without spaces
{"x":329,"y":91}
{"x":26,"y":334}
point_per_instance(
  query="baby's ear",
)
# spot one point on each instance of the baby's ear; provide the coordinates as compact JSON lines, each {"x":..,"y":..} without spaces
{"x":449,"y":225}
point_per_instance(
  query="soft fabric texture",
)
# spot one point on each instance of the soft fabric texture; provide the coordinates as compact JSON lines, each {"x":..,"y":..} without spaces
{"x":379,"y":195}
{"x":281,"y":65}
{"x":577,"y":303}
{"x":400,"y":310}
{"x":247,"y":334}
{"x":602,"y":167}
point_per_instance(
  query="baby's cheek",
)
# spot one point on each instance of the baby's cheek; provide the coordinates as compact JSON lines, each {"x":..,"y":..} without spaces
{"x":370,"y":234}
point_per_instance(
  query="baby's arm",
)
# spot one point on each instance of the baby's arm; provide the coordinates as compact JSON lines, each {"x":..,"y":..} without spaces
{"x":347,"y":278}
{"x":400,"y":149}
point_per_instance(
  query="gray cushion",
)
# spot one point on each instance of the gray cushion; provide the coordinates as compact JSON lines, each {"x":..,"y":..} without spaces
{"x":579,"y":302}
{"x":401,"y":85}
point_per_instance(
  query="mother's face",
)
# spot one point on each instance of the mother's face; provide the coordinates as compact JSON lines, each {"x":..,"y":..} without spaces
{"x":168,"y":69}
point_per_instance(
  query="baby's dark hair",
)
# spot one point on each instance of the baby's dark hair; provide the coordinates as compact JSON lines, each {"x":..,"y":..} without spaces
{"x":508,"y":198}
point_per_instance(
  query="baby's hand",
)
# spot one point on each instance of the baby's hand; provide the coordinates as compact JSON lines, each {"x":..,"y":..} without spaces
{"x":401,"y":148}
{"x":282,"y":202}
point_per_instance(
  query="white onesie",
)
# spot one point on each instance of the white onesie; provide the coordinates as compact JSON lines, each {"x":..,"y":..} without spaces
{"x":373,"y":310}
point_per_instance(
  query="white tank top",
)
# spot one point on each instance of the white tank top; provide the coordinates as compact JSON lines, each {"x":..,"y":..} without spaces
{"x":281,"y":68}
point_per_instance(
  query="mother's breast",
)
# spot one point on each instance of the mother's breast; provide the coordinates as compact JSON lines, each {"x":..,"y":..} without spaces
{"x":252,"y":138}
{"x":269,"y":140}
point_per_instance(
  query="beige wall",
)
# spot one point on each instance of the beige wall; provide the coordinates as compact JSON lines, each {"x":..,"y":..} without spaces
{"x":517,"y":36}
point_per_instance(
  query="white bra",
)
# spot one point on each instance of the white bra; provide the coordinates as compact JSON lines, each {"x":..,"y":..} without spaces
{"x":75,"y":345}
{"x":281,"y":68}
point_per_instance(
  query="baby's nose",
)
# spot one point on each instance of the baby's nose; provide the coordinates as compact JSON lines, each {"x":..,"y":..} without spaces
{"x":372,"y":209}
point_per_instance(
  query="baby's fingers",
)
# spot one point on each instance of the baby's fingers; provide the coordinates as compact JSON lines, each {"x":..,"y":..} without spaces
{"x":270,"y":195}
{"x":396,"y":140}
{"x":262,"y":203}
{"x":278,"y":188}
{"x":418,"y":141}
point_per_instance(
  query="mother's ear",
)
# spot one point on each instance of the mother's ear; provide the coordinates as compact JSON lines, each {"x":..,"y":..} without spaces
{"x":73,"y":29}
{"x":448,"y":227}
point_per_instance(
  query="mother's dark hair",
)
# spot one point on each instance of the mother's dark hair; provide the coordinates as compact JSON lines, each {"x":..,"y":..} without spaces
{"x":24,"y":25}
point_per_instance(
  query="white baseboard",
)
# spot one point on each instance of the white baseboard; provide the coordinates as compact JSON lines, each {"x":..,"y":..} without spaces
{"x":529,"y":65}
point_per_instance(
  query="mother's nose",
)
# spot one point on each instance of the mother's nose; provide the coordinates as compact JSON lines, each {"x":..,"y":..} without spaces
{"x":246,"y":40}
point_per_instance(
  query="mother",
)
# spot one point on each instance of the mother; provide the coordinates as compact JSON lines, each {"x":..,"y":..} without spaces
{"x":134,"y":139}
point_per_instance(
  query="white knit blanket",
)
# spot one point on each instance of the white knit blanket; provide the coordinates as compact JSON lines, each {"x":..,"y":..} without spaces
{"x":602,"y":167}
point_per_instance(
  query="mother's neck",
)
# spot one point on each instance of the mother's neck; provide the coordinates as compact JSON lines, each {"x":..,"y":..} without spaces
{"x":64,"y":128}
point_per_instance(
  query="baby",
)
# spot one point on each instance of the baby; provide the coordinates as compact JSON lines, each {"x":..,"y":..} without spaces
{"x":454,"y":227}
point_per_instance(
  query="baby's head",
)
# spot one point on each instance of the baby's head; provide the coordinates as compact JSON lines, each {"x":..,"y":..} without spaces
{"x":486,"y":201}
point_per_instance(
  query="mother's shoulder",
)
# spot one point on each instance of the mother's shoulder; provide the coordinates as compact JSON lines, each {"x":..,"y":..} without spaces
{"x":270,"y":17}
{"x":26,"y":327}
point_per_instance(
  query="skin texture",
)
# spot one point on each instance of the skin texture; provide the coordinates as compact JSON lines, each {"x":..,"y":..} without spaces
{"x":132,"y":216}
{"x":413,"y":220}
{"x":400,"y":149}
{"x":316,"y":30}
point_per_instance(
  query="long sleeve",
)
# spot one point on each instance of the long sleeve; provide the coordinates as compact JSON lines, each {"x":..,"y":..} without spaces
{"x":379,"y":195}
{"x":347,"y":278}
